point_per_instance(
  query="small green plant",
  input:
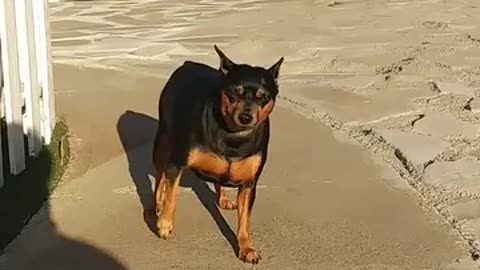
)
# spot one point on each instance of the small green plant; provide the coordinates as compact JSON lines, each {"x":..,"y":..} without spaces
{"x":24,"y":194}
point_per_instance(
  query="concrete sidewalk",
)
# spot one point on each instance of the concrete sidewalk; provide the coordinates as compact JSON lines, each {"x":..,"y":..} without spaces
{"x":324,"y":203}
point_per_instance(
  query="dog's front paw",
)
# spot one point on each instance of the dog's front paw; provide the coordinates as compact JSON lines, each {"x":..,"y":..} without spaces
{"x":249,"y":255}
{"x":226,"y":204}
{"x":165,"y":228}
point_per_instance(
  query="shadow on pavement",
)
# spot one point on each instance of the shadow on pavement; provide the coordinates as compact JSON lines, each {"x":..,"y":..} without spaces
{"x":132,"y":127}
{"x":39,"y":245}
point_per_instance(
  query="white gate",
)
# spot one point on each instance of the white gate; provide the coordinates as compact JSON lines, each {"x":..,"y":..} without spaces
{"x":27,"y":99}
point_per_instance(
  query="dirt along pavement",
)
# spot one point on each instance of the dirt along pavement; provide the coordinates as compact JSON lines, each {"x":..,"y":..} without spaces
{"x":381,"y":96}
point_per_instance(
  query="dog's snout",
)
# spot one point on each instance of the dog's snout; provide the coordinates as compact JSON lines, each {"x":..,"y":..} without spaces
{"x":245,"y":118}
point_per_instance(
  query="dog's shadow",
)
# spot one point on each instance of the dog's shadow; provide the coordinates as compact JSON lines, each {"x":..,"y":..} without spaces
{"x":137,"y":129}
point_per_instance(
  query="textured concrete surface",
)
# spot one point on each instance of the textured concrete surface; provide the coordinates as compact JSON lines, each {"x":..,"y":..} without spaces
{"x":397,"y":80}
{"x":320,"y":206}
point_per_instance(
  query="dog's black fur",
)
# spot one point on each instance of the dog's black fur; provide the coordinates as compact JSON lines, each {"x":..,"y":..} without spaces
{"x":216,"y":123}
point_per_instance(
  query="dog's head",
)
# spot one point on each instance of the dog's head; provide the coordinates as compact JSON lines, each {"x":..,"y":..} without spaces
{"x":248,"y":93}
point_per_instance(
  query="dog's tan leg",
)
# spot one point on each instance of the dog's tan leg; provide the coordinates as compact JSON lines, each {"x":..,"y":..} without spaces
{"x":222,"y":200}
{"x":166,"y":219}
{"x":161,"y":153}
{"x":159,"y":193}
{"x":245,"y":199}
{"x":159,"y":185}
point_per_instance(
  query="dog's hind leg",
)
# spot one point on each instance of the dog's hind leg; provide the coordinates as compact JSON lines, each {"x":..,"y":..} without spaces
{"x":222,"y":200}
{"x":170,"y":180}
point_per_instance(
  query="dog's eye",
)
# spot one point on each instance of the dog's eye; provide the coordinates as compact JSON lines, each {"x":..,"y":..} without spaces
{"x":239,"y":91}
{"x":262,"y":95}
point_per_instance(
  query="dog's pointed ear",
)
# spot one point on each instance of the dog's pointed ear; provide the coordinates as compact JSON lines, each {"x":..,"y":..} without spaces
{"x":275,"y":69}
{"x":226,"y":64}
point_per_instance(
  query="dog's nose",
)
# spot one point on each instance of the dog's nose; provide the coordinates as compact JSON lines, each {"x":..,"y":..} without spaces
{"x":245,"y":118}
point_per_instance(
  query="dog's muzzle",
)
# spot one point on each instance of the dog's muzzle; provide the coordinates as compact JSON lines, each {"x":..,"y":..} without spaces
{"x":245,"y":118}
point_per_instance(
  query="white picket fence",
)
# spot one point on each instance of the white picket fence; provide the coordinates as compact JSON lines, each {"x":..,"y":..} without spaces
{"x":27,"y":99}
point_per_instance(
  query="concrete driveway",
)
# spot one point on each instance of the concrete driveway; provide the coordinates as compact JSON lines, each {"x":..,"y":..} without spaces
{"x":331,"y":197}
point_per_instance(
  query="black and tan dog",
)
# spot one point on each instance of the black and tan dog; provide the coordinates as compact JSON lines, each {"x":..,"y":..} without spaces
{"x":215,"y":123}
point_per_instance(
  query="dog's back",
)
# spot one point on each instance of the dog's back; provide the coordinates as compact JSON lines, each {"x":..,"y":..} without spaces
{"x":190,"y":84}
{"x":184,"y":96}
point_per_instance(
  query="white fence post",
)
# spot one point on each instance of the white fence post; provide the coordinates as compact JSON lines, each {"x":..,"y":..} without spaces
{"x":42,"y":37}
{"x":28,"y":74}
{"x":12,"y":95}
{"x":2,"y":180}
{"x":25,"y":79}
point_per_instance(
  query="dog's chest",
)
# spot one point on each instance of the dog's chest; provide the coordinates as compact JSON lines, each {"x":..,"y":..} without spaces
{"x":237,"y":171}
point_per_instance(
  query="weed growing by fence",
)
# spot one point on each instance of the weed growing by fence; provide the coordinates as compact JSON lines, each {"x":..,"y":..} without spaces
{"x":24,"y":194}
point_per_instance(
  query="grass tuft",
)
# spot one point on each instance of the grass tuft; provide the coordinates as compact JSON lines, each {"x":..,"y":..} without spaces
{"x":24,"y":194}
